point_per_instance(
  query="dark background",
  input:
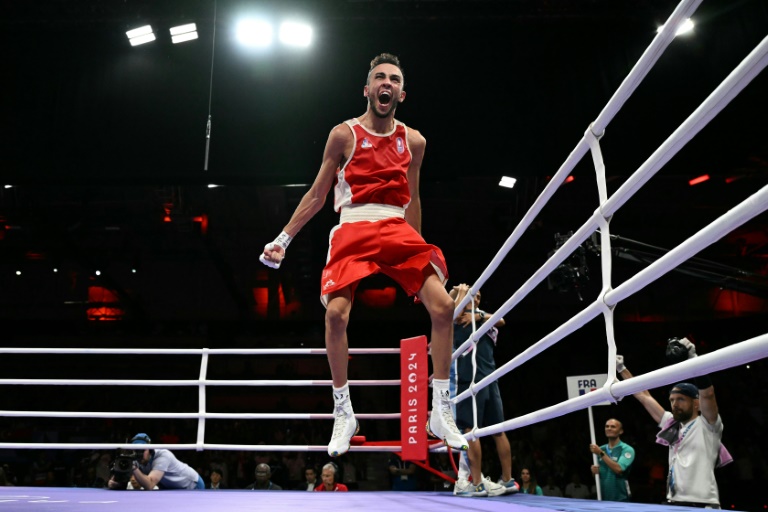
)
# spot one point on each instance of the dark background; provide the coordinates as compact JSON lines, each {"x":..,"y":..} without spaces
{"x":100,"y":141}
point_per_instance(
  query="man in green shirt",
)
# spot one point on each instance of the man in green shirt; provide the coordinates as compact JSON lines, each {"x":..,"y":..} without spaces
{"x":615,"y":459}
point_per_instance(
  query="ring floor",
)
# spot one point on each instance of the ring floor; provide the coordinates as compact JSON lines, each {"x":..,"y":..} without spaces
{"x":67,"y":499}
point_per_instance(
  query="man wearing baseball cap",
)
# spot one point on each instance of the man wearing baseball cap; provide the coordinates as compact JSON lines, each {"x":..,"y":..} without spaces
{"x":159,"y":468}
{"x":692,"y":430}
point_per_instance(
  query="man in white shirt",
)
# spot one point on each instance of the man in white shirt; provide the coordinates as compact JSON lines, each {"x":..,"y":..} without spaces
{"x":692,"y":430}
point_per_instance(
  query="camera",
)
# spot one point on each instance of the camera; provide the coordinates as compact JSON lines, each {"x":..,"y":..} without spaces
{"x":676,"y":351}
{"x":123,"y":465}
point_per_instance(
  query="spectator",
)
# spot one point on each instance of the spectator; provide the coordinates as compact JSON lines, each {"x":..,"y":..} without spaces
{"x":402,"y":474}
{"x":330,"y":475}
{"x":442,"y":463}
{"x":41,"y":470}
{"x":294,"y":464}
{"x":263,"y":475}
{"x":576,"y":489}
{"x":9,"y":477}
{"x":3,"y":480}
{"x":103,"y":469}
{"x":349,"y":471}
{"x":216,"y":483}
{"x":310,"y":474}
{"x":550,"y":489}
{"x":528,"y":483}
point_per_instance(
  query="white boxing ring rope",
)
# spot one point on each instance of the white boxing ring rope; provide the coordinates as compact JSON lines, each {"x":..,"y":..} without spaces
{"x":750,"y":350}
{"x":202,"y":383}
{"x":740,"y":353}
{"x":684,"y":10}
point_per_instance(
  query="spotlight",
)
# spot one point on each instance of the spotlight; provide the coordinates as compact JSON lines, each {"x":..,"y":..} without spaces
{"x":183,"y":33}
{"x":507,"y":182}
{"x":254,"y":33}
{"x":140,"y":35}
{"x":295,"y":34}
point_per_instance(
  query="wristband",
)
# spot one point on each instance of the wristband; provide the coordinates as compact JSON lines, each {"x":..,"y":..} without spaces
{"x":283,"y":240}
{"x":702,"y":382}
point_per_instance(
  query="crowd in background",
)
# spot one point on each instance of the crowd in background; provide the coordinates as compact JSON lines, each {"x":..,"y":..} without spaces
{"x":550,"y":450}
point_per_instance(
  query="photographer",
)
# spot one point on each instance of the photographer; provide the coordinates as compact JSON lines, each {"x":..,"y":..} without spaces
{"x":692,"y":431}
{"x":152,"y":469}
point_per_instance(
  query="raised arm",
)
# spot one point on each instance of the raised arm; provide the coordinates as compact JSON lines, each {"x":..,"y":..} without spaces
{"x":417,"y":144}
{"x":458,"y":293}
{"x":707,"y":400}
{"x":644,"y":397}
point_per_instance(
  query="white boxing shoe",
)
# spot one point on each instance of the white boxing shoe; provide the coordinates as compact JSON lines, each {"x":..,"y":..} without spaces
{"x":344,"y":427}
{"x":442,"y":426}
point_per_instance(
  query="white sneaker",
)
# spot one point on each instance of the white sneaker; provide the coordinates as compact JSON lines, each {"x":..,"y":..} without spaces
{"x":493,"y":488}
{"x":461,"y":486}
{"x":344,"y":427}
{"x":466,"y":489}
{"x":510,"y":487}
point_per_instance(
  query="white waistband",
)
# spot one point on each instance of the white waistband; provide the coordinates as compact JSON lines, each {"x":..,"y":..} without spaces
{"x":370,"y":212}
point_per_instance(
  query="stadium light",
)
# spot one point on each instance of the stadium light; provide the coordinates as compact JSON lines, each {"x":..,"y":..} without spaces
{"x":507,"y":182}
{"x":254,"y":33}
{"x":295,"y":34}
{"x":140,"y":35}
{"x":183,"y":33}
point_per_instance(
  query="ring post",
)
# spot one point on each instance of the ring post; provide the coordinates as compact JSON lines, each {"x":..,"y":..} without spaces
{"x":413,"y":398}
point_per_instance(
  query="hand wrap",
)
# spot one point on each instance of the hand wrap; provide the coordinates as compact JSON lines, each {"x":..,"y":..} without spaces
{"x":283,"y":240}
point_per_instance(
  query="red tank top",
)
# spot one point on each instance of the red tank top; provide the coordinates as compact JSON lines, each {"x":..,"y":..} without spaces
{"x":376,"y":171}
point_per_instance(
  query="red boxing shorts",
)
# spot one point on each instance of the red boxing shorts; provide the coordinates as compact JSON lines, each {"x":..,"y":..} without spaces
{"x":390,"y":246}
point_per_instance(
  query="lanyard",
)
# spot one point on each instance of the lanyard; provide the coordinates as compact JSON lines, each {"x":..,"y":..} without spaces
{"x":682,"y":436}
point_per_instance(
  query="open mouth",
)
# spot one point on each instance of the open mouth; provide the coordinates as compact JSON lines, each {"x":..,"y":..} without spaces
{"x":385,"y":98}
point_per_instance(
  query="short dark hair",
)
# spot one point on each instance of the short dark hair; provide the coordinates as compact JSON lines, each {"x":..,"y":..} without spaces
{"x":385,"y":58}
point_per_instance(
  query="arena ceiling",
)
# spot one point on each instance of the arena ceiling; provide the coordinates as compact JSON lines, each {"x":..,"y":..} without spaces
{"x":102,"y":142}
